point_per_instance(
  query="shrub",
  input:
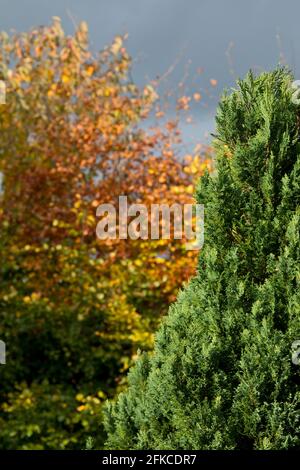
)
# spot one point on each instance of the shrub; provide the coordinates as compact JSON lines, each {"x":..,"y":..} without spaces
{"x":221,"y":376}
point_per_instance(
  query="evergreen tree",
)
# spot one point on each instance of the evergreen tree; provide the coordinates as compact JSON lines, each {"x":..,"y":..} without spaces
{"x":222,"y":375}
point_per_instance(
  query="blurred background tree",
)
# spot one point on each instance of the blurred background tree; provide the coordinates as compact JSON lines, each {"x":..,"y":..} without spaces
{"x":75,"y":133}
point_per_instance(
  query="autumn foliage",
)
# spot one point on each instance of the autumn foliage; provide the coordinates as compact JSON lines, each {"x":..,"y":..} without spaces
{"x":75,"y":132}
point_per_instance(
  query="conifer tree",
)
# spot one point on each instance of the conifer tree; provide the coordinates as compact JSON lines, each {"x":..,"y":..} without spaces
{"x":222,"y":375}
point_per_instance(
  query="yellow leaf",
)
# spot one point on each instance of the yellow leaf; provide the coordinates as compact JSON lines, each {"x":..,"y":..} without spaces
{"x":118,"y":42}
{"x":81,"y":408}
{"x":65,"y":78}
{"x":90,"y":70}
{"x":35,"y":296}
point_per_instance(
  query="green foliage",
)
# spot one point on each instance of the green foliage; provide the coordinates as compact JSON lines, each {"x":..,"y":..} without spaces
{"x":48,"y":416}
{"x":221,"y":375}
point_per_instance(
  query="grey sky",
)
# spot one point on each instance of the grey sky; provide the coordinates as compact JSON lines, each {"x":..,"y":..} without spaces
{"x":160,"y":31}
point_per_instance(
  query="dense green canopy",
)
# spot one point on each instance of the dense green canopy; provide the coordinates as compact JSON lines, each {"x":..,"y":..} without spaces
{"x":222,"y":376}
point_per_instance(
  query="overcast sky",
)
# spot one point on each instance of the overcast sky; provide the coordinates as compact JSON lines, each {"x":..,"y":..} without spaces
{"x":224,"y":37}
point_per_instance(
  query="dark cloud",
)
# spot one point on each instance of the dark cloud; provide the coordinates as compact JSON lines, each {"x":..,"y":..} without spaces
{"x":162,"y":31}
